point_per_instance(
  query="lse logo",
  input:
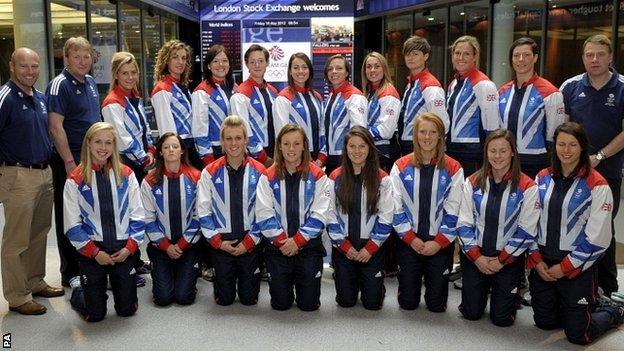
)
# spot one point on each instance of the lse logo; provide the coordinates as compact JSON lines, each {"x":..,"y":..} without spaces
{"x":490,"y":97}
{"x":438,"y":103}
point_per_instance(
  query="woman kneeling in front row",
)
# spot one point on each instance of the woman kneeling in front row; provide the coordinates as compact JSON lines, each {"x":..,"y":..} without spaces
{"x":574,"y":231}
{"x":104,"y":222}
{"x":168,"y":194}
{"x":360,"y":222}
{"x":497,"y":223}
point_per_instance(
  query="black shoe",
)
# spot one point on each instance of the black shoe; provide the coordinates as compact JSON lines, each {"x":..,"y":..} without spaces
{"x":458,"y":284}
{"x":140,"y":281}
{"x":144,"y":268}
{"x":456,"y":273}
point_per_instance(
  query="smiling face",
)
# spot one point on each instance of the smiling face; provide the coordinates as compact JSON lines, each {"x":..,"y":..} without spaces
{"x":464,"y":57}
{"x":234,"y":143}
{"x":427,"y":136}
{"x":337,"y":72}
{"x":220,"y":66}
{"x":24,"y":66}
{"x":79,"y":61}
{"x":357,"y":151}
{"x":127,"y":76}
{"x":568,"y":150}
{"x":292,"y":147}
{"x":499,"y":155}
{"x":101,"y":146}
{"x":523,"y":59}
{"x":300,"y":72}
{"x":257,"y":65}
{"x":373,"y":70}
{"x":177,"y":63}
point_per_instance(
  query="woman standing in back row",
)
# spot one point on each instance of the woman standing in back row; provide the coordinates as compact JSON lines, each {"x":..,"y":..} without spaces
{"x":472,"y":104}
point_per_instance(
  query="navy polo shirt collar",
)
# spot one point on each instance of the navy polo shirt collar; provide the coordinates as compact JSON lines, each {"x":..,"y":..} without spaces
{"x":19,"y":92}
{"x":73,"y":79}
{"x":611,"y":84}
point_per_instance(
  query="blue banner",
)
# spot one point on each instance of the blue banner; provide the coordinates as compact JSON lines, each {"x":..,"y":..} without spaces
{"x":245,"y":9}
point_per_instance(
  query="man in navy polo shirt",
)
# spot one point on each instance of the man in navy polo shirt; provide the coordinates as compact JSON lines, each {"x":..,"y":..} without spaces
{"x":595,"y":99}
{"x":25,"y":186}
{"x":73,"y":105}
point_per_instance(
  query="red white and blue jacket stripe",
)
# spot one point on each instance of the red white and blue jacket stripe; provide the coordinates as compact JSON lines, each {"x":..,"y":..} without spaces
{"x":445,"y":199}
{"x":516,"y":223}
{"x":155,"y":197}
{"x":210,"y":107}
{"x":291,"y":107}
{"x":82,"y":216}
{"x":384,"y":107}
{"x":248,"y":103}
{"x":172,"y":107}
{"x":213,"y":204}
{"x":423,"y":93}
{"x":375,"y":229}
{"x":476,"y":107}
{"x":585,"y":221}
{"x":348,"y":109}
{"x":314,"y":206}
{"x":540,"y":113}
{"x":130,"y":124}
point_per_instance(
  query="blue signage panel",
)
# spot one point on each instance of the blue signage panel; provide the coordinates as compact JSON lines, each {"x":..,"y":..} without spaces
{"x":242,"y":9}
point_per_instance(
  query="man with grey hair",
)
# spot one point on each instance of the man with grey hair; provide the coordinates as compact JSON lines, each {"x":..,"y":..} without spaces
{"x":25,"y":186}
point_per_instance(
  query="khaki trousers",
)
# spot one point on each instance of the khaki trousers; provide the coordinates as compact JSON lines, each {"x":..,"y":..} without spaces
{"x":27,"y":196}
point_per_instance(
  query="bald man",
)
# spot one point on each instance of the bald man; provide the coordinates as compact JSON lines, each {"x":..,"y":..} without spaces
{"x":25,"y":186}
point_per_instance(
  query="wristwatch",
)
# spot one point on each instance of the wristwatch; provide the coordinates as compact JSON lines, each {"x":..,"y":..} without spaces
{"x":600,"y":156}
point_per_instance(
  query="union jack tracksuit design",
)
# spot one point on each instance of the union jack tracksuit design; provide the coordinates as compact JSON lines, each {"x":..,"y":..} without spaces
{"x":83,"y":219}
{"x":172,"y":107}
{"x":300,"y":108}
{"x":211,"y":105}
{"x":249,"y":103}
{"x":535,"y":112}
{"x":134,"y":136}
{"x":213,"y":205}
{"x":157,"y":212}
{"x":345,"y":108}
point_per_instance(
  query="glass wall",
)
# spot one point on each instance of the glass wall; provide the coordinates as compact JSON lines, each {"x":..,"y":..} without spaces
{"x":6,"y":38}
{"x":431,"y":25}
{"x":68,"y":20}
{"x":398,"y":29}
{"x":569,"y":24}
{"x":104,"y":41}
{"x":471,"y":19}
{"x":170,"y":28}
{"x":151,"y":44}
{"x":513,"y":19}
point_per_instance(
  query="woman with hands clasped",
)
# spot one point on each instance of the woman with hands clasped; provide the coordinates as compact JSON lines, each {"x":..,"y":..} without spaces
{"x":497,"y":223}
{"x":103,"y":219}
{"x":292,"y":205}
{"x":574,"y":231}
{"x":168,"y":193}
{"x":427,"y":193}
{"x":226,"y":209}
{"x":360,"y":222}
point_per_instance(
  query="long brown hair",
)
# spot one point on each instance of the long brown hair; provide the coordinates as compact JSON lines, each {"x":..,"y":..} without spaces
{"x":370,"y":173}
{"x":417,"y":159}
{"x":211,"y":53}
{"x":85,"y":154}
{"x":278,"y":157}
{"x":159,"y":170}
{"x":486,"y":168}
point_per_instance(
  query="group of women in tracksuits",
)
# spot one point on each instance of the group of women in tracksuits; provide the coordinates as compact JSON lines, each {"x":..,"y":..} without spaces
{"x":262,"y":180}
